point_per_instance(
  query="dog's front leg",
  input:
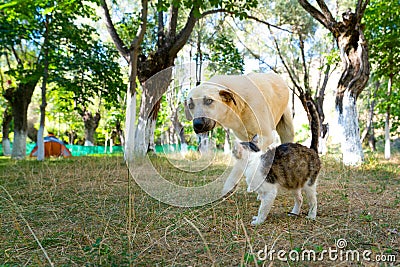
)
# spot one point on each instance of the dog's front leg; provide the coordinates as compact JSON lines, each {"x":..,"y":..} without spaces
{"x":234,"y":177}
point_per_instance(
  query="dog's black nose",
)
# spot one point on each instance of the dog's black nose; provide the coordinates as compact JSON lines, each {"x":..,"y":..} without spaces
{"x":198,"y":125}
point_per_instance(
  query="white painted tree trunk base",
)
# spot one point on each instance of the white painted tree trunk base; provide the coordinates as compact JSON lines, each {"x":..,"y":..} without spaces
{"x":111,"y":145}
{"x":6,"y":147}
{"x":88,"y":143}
{"x":19,"y":145}
{"x":349,"y":131}
{"x":387,"y":149}
{"x":322,"y":147}
{"x":227,"y":147}
{"x":206,"y":146}
{"x":140,"y":144}
{"x":40,"y":144}
{"x":184,"y":149}
{"x":130,"y":126}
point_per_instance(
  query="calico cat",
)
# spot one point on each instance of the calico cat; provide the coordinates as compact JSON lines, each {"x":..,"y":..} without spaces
{"x":291,"y":166}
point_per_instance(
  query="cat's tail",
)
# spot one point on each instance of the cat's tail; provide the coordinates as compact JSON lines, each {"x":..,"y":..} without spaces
{"x":314,"y":125}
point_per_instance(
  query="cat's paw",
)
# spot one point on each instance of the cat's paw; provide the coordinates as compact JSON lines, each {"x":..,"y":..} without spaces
{"x":311,"y":216}
{"x":256,"y":221}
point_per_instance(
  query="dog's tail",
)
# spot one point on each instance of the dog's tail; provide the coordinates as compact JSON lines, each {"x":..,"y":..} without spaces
{"x":285,"y":127}
{"x":314,"y":125}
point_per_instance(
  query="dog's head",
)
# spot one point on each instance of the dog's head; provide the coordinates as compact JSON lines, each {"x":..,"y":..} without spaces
{"x":208,"y":104}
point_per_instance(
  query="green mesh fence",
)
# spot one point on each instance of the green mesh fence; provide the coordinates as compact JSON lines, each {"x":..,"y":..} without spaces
{"x":77,"y":150}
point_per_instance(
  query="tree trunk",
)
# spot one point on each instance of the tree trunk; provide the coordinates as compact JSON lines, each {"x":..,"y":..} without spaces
{"x":20,"y":99}
{"x":120,"y":133}
{"x":227,"y":149}
{"x":349,"y":130}
{"x":111,"y":144}
{"x":387,"y":121}
{"x":205,"y":145}
{"x":7,"y":118}
{"x":71,"y":137}
{"x":354,"y":55}
{"x":319,"y":104}
{"x":130,"y":117}
{"x":151,"y":126}
{"x":178,"y":127}
{"x":32,"y":131}
{"x":153,"y":89}
{"x":91,"y":123}
{"x":40,"y":135}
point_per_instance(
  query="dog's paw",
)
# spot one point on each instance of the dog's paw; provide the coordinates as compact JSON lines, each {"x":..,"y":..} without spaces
{"x":227,"y":189}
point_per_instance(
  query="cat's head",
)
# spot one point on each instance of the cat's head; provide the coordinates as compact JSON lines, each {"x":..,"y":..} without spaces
{"x":240,"y":148}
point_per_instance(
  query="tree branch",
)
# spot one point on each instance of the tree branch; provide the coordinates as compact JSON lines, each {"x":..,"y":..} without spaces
{"x":184,"y":34}
{"x":135,"y":44}
{"x":16,"y":55}
{"x":160,"y":30}
{"x":123,"y":50}
{"x":303,"y":59}
{"x":173,"y":22}
{"x":268,"y":24}
{"x":315,"y":13}
{"x":360,"y":9}
{"x":223,"y":10}
{"x":290,"y":72}
{"x":254,"y":54}
{"x":325,"y":10}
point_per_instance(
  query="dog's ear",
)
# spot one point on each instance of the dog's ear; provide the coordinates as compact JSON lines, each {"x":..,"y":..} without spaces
{"x":227,"y":96}
{"x":187,"y":112}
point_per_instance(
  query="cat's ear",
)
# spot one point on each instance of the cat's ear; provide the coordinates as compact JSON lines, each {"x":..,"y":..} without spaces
{"x":255,"y":139}
{"x":250,"y":146}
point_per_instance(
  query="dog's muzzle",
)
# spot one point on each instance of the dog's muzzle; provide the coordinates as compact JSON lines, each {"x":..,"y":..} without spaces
{"x":202,"y":125}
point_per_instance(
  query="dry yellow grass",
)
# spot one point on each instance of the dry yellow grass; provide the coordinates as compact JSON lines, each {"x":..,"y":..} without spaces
{"x":77,"y":209}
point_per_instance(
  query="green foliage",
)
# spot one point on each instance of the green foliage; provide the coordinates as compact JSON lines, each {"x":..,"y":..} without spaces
{"x":224,"y":56}
{"x":128,"y":26}
{"x":90,"y":71}
{"x":82,"y":68}
{"x":382,"y":20}
{"x":382,"y":30}
{"x":291,"y":13}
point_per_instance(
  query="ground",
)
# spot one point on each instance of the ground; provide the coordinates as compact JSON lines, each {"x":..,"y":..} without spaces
{"x":74,"y":212}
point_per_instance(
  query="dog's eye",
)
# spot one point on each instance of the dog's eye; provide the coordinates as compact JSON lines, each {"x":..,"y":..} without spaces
{"x":191,"y":105}
{"x":208,"y":101}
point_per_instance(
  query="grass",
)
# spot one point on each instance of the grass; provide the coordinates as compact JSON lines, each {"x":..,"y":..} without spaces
{"x":75,"y":211}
